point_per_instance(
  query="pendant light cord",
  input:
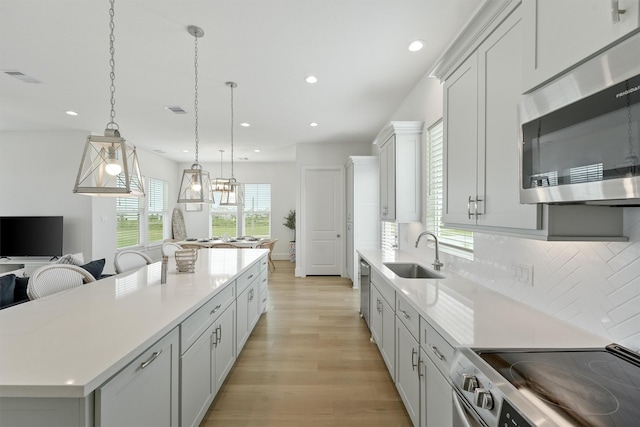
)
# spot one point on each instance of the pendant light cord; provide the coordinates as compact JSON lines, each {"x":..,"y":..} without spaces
{"x":232,"y":86}
{"x":195,"y":103}
{"x":112,"y":124}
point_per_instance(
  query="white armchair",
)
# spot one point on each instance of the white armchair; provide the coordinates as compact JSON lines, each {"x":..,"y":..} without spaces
{"x":55,"y":278}
{"x":129,"y":260}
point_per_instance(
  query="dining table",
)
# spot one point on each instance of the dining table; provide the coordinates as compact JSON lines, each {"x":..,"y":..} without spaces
{"x":210,"y":243}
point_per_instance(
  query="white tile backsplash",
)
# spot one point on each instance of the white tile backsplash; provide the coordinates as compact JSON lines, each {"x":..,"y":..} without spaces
{"x":594,"y":285}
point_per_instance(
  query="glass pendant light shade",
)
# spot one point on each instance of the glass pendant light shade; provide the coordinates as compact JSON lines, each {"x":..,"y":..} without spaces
{"x":221,"y":184}
{"x":195,"y":186}
{"x":109,"y":167}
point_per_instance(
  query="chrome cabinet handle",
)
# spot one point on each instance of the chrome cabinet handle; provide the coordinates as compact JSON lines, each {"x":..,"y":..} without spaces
{"x":215,"y":309}
{"x":475,"y":201}
{"x":478,"y":199}
{"x":414,"y":365}
{"x":218,"y":334}
{"x":469,"y":207}
{"x":153,"y":357}
{"x":250,"y":277}
{"x":406,"y":316}
{"x":420,"y":371}
{"x":435,"y":351}
{"x":214,"y":336}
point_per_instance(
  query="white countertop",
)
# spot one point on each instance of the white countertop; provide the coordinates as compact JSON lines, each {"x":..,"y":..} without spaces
{"x":68,"y":344}
{"x":469,"y":315}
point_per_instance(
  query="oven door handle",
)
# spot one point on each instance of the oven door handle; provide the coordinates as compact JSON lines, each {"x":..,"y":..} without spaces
{"x":463,"y":416}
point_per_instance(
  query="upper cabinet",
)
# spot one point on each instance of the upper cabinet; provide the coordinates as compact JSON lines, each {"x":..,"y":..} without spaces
{"x":400,"y":161}
{"x":562,"y":34}
{"x":481,"y":129}
{"x":481,"y":167}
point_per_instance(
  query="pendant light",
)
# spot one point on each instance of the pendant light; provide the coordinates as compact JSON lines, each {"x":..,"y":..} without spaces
{"x":233,"y":195}
{"x":109,"y":166}
{"x":220,"y":184}
{"x":196,"y":183}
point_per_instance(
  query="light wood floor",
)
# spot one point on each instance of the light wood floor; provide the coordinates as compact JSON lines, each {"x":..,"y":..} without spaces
{"x":308,"y":362}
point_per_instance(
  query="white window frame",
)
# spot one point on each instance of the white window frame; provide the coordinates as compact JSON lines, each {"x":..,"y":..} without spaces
{"x":455,"y":242}
{"x":240,"y":212}
{"x":143,"y":211}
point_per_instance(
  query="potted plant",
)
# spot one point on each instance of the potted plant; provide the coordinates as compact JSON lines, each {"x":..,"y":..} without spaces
{"x":290,"y":222}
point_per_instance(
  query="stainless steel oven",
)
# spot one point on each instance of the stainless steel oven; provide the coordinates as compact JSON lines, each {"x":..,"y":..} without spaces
{"x":597,"y":387}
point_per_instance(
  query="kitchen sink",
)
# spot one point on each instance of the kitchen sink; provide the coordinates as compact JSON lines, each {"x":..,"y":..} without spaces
{"x":412,"y":271}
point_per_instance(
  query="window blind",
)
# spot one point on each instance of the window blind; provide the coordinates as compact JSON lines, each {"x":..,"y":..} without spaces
{"x":458,"y":239}
{"x":257,"y":210}
{"x":128,"y":221}
{"x":388,"y":236}
{"x":157,"y":209}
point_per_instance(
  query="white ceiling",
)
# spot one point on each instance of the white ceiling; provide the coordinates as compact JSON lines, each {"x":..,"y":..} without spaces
{"x":356,"y":48}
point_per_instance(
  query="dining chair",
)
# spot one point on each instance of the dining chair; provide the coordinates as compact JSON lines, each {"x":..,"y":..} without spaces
{"x":170,"y":248}
{"x":54,"y":278}
{"x":225,"y":245}
{"x":269,"y":244}
{"x":130,"y":259}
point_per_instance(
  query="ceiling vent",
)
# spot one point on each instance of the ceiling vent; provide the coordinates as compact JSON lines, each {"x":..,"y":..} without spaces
{"x":21,"y":76}
{"x":176,"y":109}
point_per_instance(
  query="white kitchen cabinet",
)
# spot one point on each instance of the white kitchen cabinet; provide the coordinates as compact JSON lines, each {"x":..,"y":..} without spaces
{"x":204,"y":367}
{"x":362,"y":210}
{"x":481,"y":132}
{"x":382,"y":323}
{"x":407,"y":372}
{"x":439,"y":407}
{"x":561,"y":34}
{"x":481,"y":151}
{"x":400,"y":165}
{"x":145,"y":393}
{"x":247,"y":314}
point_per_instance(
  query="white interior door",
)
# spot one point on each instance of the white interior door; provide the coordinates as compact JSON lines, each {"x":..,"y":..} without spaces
{"x":323,"y":221}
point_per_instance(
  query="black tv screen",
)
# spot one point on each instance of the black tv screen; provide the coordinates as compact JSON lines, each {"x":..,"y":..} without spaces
{"x":30,"y":236}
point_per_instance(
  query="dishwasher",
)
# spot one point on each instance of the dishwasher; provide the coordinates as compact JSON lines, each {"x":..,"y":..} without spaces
{"x":365,"y":287}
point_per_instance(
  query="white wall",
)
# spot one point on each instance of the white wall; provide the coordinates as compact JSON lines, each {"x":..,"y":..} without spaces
{"x":38,"y":174}
{"x":593,"y":285}
{"x":282,"y":178}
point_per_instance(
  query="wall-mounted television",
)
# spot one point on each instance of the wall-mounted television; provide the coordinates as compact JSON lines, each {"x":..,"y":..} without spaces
{"x":22,"y":236}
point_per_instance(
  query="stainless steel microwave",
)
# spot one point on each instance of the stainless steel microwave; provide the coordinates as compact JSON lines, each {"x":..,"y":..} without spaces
{"x":580,"y":134}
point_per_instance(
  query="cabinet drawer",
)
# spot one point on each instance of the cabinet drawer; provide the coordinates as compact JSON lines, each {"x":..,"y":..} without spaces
{"x":247,"y":277}
{"x":385,"y":289}
{"x":264,"y":281}
{"x":436,"y":347}
{"x":264,"y":263}
{"x":199,"y":321}
{"x":409,"y":316}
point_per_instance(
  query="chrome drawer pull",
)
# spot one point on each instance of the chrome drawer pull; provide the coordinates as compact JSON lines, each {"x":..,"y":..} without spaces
{"x":215,"y":309}
{"x":218,"y":334}
{"x":406,"y":316}
{"x":413,"y":364}
{"x":434,"y":349}
{"x":249,"y":277}
{"x":153,"y":357}
{"x":214,"y":341}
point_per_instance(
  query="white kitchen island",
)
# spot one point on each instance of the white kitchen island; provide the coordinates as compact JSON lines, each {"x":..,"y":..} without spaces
{"x":58,"y":353}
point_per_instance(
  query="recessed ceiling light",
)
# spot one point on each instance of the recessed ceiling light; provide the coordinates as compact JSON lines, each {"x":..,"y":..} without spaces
{"x":185,"y":151}
{"x":416,"y":45}
{"x":71,"y":113}
{"x":314,"y":124}
{"x":175,"y":109}
{"x":243,"y":158}
{"x":311,"y":79}
{"x":256,"y":151}
{"x":245,"y":124}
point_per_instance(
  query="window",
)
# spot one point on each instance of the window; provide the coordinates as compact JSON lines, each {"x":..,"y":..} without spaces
{"x":257,"y":210}
{"x":157,"y":210}
{"x":254,"y":219}
{"x":454,"y":240}
{"x":389,"y":236}
{"x":141,"y":221}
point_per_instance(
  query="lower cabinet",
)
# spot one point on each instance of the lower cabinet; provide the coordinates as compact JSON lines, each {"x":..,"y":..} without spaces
{"x":408,"y":373}
{"x":145,"y":393}
{"x":438,"y":406}
{"x":204,"y":367}
{"x":382,"y":321}
{"x":247,"y":314}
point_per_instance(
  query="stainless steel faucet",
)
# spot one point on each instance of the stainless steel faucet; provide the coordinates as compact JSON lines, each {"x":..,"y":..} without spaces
{"x":436,"y":263}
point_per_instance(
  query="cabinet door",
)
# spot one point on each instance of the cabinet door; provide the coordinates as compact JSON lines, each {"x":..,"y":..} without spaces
{"x":388,"y":349}
{"x":375,"y":316}
{"x":196,"y":379}
{"x":499,"y":71}
{"x":560,"y":34}
{"x":438,"y":396}
{"x":407,"y":379}
{"x":145,"y":393}
{"x":224,"y":354}
{"x":388,"y":180}
{"x":461,"y":138}
{"x":247,"y":316}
